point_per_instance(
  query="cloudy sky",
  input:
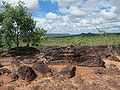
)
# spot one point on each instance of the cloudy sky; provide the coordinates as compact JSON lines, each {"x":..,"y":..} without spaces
{"x":75,"y":16}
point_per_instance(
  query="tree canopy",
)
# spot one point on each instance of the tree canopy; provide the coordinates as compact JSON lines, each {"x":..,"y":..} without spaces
{"x":18,"y":25}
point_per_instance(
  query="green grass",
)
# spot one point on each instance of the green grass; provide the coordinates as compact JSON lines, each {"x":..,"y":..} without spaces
{"x":83,"y":40}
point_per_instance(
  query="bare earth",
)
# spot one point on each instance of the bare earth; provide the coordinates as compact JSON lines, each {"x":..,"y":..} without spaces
{"x":85,"y":73}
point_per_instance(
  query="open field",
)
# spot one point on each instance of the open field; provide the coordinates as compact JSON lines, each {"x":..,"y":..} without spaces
{"x":83,"y":40}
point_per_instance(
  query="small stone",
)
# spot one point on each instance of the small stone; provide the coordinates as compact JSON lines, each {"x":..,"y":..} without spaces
{"x":1,"y":65}
{"x":14,"y":76}
{"x":4,"y":71}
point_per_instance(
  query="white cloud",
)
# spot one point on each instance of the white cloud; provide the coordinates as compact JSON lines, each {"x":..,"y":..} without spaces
{"x":52,"y":16}
{"x":75,"y":11}
{"x":109,"y":15}
{"x":66,"y":3}
{"x":79,"y":15}
{"x":116,"y":3}
{"x":31,"y":4}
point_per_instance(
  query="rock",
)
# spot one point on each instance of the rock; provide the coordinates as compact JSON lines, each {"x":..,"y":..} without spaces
{"x":26,"y":73}
{"x":41,"y":67}
{"x":31,"y":61}
{"x":68,"y":71}
{"x":113,"y":58}
{"x":14,"y":76}
{"x":99,"y":70}
{"x":54,"y":71}
{"x":15,"y":63}
{"x":4,"y":71}
{"x":5,"y":54}
{"x":112,"y":70}
{"x":87,"y":56}
{"x":83,"y":56}
{"x":19,"y":58}
{"x":1,"y":65}
{"x":23,"y":51}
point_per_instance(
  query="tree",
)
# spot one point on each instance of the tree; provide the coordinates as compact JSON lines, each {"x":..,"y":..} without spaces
{"x":35,"y":38}
{"x":101,"y":31}
{"x":16,"y":24}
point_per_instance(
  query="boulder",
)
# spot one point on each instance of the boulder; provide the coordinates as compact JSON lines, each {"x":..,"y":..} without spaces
{"x":68,"y":71}
{"x":4,"y":71}
{"x":87,"y":56}
{"x":26,"y":73}
{"x":41,"y":67}
{"x":1,"y":65}
{"x":83,"y":56}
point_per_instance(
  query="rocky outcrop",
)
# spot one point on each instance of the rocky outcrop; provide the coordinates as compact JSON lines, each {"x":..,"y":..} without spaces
{"x":83,"y":56}
{"x":68,"y":71}
{"x":26,"y":73}
{"x":22,"y":51}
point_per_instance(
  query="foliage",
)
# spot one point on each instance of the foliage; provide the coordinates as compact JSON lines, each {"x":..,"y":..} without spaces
{"x":17,"y":25}
{"x":83,"y":40}
{"x":35,"y":38}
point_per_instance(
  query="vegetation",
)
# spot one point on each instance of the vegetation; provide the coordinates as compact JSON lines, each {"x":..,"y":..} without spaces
{"x":18,"y":26}
{"x":84,"y":40}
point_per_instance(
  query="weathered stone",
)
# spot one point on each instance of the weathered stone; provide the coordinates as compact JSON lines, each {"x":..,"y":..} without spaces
{"x":26,"y":73}
{"x":4,"y":71}
{"x":5,"y":54}
{"x":29,"y":61}
{"x":112,"y":70}
{"x":15,"y":63}
{"x":1,"y":65}
{"x":84,"y":56}
{"x":54,"y":71}
{"x":99,"y":70}
{"x":14,"y":76}
{"x":42,"y":68}
{"x":68,"y":71}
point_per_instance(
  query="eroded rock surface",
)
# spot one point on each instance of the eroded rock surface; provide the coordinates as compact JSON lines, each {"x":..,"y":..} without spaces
{"x":41,"y":68}
{"x":26,"y":73}
{"x":68,"y":71}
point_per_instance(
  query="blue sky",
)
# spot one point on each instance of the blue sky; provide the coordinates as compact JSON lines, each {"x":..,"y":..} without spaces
{"x":75,"y":16}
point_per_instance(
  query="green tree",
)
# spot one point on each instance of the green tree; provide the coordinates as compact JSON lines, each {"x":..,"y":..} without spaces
{"x":16,"y":24}
{"x":35,"y":38}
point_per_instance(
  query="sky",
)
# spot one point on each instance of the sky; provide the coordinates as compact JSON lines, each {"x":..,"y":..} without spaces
{"x":74,"y":16}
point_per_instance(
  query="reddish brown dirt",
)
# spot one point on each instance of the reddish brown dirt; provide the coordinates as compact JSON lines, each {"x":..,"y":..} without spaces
{"x":86,"y":72}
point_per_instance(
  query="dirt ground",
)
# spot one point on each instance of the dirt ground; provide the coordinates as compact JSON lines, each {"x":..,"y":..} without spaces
{"x":87,"y":72}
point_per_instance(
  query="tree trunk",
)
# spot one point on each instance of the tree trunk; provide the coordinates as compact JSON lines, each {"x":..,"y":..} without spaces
{"x":17,"y":43}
